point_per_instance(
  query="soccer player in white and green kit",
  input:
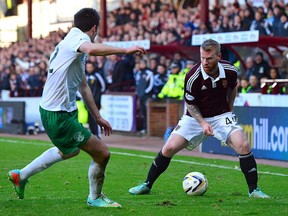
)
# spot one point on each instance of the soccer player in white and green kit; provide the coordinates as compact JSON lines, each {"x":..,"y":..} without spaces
{"x":59,"y":112}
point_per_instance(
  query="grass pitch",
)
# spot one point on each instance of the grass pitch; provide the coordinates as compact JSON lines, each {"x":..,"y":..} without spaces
{"x":63,"y":188}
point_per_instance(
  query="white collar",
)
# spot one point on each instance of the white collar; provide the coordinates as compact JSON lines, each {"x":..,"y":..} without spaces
{"x":221,"y":73}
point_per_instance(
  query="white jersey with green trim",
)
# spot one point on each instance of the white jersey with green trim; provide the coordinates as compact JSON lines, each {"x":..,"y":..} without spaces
{"x":65,"y":73}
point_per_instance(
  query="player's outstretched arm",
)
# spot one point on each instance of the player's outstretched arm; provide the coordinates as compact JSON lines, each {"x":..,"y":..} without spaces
{"x":98,"y":49}
{"x":92,"y":108}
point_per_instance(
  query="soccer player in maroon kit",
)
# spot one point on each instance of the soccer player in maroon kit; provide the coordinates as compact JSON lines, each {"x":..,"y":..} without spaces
{"x":210,"y":91}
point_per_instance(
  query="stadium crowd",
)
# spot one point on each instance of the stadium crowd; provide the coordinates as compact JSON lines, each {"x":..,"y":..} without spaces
{"x":23,"y":65}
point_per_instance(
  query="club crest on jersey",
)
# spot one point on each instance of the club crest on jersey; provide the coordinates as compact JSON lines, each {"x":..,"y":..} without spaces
{"x":224,"y":83}
{"x":189,"y":97}
{"x":79,"y":137}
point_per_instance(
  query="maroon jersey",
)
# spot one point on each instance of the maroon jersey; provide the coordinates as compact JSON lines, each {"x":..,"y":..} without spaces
{"x":209,"y":94}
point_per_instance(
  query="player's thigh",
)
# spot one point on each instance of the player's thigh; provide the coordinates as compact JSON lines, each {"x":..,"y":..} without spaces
{"x":96,"y":149}
{"x":238,"y":141}
{"x":174,"y":144}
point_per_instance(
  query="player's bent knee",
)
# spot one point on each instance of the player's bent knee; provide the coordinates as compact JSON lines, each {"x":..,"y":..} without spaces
{"x":168,"y":151}
{"x":106,"y":154}
{"x":244,"y":148}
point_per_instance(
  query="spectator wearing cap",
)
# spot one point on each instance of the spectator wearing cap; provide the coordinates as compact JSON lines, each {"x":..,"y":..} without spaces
{"x":174,"y":86}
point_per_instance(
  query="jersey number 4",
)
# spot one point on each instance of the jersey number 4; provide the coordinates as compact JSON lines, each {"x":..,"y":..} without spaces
{"x":230,"y":120}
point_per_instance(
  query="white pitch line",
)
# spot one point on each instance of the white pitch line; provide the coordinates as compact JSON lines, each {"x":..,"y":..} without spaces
{"x":43,"y":143}
{"x":197,"y":163}
{"x":37,"y":142}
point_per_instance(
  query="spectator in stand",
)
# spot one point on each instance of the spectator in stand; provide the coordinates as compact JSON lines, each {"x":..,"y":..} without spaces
{"x":249,"y":6}
{"x":162,"y":60}
{"x":238,"y":85}
{"x":215,"y":26}
{"x":14,"y":84}
{"x":260,"y":24}
{"x":153,"y":64}
{"x":261,"y":66}
{"x":160,"y":79}
{"x":97,"y":85}
{"x":270,"y":19}
{"x":254,"y":84}
{"x":203,"y":29}
{"x":277,"y":12}
{"x":168,"y":63}
{"x":283,"y":69}
{"x":6,"y":77}
{"x":283,"y":26}
{"x":250,"y":67}
{"x":43,"y":72}
{"x":266,"y":6}
{"x":24,"y":75}
{"x":1,"y":75}
{"x":99,"y":64}
{"x":144,"y":88}
{"x":247,"y":19}
{"x":109,"y":66}
{"x":190,"y":24}
{"x":12,"y":81}
{"x":34,"y":83}
{"x":122,"y":15}
{"x":123,"y":76}
{"x":275,"y":88}
{"x":177,"y":58}
{"x":244,"y":85}
{"x":188,"y":65}
{"x":173,"y":88}
{"x":273,"y":73}
{"x":237,"y":24}
{"x":224,"y":24}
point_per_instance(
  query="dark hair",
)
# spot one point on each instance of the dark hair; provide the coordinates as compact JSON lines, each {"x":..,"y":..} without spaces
{"x":259,"y":54}
{"x":86,"y":18}
{"x":162,"y":65}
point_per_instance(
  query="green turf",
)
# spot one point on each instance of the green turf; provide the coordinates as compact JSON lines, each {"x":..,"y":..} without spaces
{"x":63,"y":188}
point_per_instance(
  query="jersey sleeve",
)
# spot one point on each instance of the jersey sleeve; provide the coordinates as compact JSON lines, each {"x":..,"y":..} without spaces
{"x":231,"y":72}
{"x":190,"y":86}
{"x":234,"y":75}
{"x":77,"y":38}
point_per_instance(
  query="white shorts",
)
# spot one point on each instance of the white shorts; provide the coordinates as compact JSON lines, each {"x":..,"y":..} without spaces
{"x":223,"y":125}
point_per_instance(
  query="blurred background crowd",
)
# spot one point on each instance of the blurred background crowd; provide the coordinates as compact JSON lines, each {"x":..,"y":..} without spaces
{"x":23,"y":65}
